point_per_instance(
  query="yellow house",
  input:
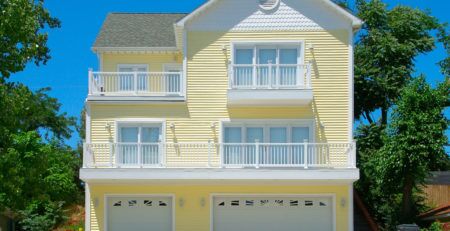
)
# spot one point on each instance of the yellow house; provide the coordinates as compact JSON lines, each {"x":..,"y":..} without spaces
{"x":235,"y":117}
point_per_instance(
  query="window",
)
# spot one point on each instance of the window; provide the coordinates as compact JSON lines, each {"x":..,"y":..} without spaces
{"x":265,"y":143}
{"x":173,"y":78}
{"x":127,"y":81}
{"x":267,"y":66}
{"x":268,"y":133}
{"x":138,"y":144}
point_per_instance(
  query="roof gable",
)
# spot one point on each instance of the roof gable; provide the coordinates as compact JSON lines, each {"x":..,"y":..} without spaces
{"x":248,"y":15}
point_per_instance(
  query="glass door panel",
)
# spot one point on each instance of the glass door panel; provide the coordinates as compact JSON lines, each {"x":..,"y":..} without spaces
{"x":173,"y":80}
{"x":232,"y":147}
{"x":288,"y":67}
{"x":299,"y":136}
{"x":266,"y":57}
{"x":142,"y":78}
{"x":128,"y":146}
{"x":149,"y":145}
{"x":243,"y":71}
{"x":126,"y":80}
{"x":254,"y":134}
{"x":277,"y":151}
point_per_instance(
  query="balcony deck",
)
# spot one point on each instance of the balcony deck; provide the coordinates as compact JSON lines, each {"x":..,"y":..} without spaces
{"x":221,"y":155}
{"x":156,"y":86}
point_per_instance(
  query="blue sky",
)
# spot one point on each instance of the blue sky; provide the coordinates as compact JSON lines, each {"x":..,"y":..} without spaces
{"x":66,"y":72}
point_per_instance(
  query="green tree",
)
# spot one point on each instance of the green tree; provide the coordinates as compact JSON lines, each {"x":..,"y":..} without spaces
{"x":401,"y":156}
{"x":38,"y":172}
{"x":385,"y":52}
{"x":444,"y":38}
{"x":33,"y":168}
{"x":22,"y":39}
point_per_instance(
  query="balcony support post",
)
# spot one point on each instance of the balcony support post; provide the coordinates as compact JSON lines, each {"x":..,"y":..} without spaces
{"x":209,"y":153}
{"x":111,"y":162}
{"x":139,"y":155}
{"x":160,"y":153}
{"x":305,"y":151}
{"x":135,"y":79}
{"x":91,"y":80}
{"x":257,"y":146}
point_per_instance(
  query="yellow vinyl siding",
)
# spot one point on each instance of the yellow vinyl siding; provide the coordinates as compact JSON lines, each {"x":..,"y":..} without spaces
{"x":208,"y":83}
{"x":193,"y":216}
{"x":155,"y":61}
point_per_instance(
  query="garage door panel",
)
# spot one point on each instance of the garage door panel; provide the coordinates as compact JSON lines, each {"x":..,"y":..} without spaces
{"x":272,"y":213}
{"x":139,"y":213}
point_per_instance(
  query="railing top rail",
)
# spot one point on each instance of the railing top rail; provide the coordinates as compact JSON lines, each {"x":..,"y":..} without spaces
{"x":205,"y":143}
{"x":266,"y":65}
{"x":134,"y":72}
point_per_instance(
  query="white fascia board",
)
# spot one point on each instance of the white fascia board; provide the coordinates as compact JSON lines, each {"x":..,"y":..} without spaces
{"x":133,"y":49}
{"x":356,"y":22}
{"x":197,"y":11}
{"x":213,"y":174}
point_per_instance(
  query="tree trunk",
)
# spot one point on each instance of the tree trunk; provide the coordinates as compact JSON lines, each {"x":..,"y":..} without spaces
{"x":407,"y":215}
{"x":368,"y":117}
{"x":384,"y":115}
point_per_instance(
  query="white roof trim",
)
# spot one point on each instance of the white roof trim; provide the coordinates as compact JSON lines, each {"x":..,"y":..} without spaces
{"x":133,"y":49}
{"x":356,"y":22}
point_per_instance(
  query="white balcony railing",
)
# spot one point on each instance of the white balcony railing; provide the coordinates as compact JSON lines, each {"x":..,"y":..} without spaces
{"x":202,"y":155}
{"x":136,"y":83}
{"x":270,"y":76}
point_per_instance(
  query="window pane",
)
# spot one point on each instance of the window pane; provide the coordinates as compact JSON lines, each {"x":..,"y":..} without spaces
{"x":278,"y":135}
{"x":299,"y":134}
{"x":129,"y":135}
{"x":244,"y":56}
{"x":288,"y":56}
{"x":267,"y":56}
{"x":232,"y":135}
{"x":150,"y":135}
{"x":254,"y":134}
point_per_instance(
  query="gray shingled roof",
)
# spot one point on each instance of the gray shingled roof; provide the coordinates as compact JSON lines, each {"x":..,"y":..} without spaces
{"x":138,"y":30}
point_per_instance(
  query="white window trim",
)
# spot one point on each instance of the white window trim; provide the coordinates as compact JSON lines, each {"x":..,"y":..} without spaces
{"x":134,"y":66}
{"x":276,"y":44}
{"x":213,"y":195}
{"x":107,"y":196}
{"x":140,"y":123}
{"x":267,"y":124}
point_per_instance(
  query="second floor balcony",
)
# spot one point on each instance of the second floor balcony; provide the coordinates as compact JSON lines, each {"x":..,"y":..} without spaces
{"x":136,"y":86}
{"x":220,"y":155}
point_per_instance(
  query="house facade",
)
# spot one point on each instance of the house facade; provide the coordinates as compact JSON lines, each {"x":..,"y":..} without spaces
{"x":236,"y":116}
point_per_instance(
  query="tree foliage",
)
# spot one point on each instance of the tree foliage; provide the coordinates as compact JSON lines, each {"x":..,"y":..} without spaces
{"x":22,"y":38}
{"x":38,"y":172}
{"x":401,"y":156}
{"x":33,"y":168}
{"x":385,"y":52}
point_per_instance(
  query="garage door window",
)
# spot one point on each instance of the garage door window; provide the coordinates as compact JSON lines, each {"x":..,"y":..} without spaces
{"x":137,"y":213}
{"x":273,"y":213}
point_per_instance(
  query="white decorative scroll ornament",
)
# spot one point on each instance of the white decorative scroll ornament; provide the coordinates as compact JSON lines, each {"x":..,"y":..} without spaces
{"x":268,"y":4}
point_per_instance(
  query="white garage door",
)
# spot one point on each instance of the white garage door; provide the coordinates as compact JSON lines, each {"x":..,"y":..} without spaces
{"x":273,"y":213}
{"x":139,"y":213}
